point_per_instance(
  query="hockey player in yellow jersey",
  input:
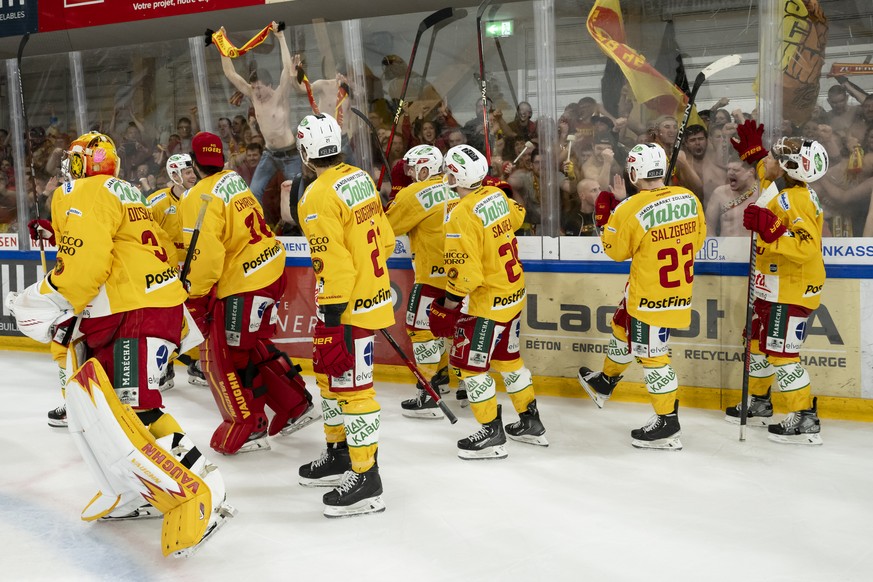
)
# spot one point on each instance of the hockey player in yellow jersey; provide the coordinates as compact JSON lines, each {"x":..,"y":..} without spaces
{"x":481,"y":309}
{"x":789,"y":277}
{"x":660,"y":229}
{"x":114,"y":271}
{"x":164,"y":206}
{"x":350,"y":240}
{"x":237,"y":277}
{"x":421,"y":210}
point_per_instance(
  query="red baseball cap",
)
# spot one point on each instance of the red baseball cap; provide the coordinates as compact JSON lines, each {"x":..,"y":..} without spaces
{"x":207,"y":149}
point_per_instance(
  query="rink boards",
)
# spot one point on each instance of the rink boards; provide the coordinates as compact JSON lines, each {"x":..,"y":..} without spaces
{"x":572,"y":291}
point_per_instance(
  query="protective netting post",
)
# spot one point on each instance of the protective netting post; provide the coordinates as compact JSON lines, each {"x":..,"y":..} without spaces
{"x":18,"y":151}
{"x":80,"y":103}
{"x":547,"y":108}
{"x":769,"y":69}
{"x":201,"y":82}
{"x":353,"y":45}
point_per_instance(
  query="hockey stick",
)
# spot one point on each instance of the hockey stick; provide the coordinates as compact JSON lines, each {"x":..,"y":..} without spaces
{"x":189,"y":256}
{"x":459,"y":14}
{"x":719,"y":65}
{"x":771,"y":192}
{"x":429,"y":22}
{"x":503,"y":62}
{"x":21,"y":46}
{"x":482,"y":84}
{"x":375,"y":137}
{"x":423,"y":383}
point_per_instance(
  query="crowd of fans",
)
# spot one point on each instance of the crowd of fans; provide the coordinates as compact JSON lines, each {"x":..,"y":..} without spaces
{"x":592,"y":147}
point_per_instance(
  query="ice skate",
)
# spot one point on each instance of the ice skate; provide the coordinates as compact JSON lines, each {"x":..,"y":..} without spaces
{"x":489,"y":442}
{"x":196,"y":375}
{"x":357,"y":494}
{"x":528,"y":429}
{"x":257,"y":441}
{"x":760,"y":410}
{"x":57,"y":418}
{"x":440,"y":381}
{"x":328,"y":469}
{"x":168,"y":379}
{"x":145,"y":511}
{"x":661,"y":432}
{"x":799,"y":428}
{"x":461,"y":397}
{"x":306,"y":418}
{"x":422,"y":406}
{"x":218,"y":520}
{"x":597,"y":385}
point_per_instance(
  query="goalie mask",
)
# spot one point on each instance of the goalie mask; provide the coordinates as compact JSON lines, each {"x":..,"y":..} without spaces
{"x":93,"y":154}
{"x":466,"y":166}
{"x":423,"y":156}
{"x":646,"y":161}
{"x":318,"y":136}
{"x":175,"y":164}
{"x":803,"y":159}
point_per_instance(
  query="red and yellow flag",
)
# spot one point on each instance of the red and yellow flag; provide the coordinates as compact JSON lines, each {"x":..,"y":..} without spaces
{"x":804,"y":39}
{"x":649,"y":86}
{"x":227,"y":48}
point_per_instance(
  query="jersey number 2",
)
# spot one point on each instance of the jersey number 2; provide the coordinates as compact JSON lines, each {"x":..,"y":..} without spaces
{"x":665,"y":273}
{"x":510,"y":249}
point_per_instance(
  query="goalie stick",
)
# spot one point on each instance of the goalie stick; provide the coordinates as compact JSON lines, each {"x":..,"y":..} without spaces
{"x":21,"y":46}
{"x":192,"y":246}
{"x":429,"y":22}
{"x":719,"y":65}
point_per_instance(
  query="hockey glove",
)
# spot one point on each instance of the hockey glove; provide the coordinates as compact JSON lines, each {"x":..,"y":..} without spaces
{"x":201,"y":309}
{"x":329,"y":351}
{"x":748,"y":142}
{"x":40,"y":228}
{"x":763,"y":221}
{"x":603,"y":207}
{"x":443,"y":320}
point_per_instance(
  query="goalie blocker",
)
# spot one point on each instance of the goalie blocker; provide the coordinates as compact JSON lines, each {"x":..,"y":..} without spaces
{"x":132,"y":466}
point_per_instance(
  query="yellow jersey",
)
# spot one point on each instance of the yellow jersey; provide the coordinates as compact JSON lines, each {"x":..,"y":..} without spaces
{"x":164,"y":207}
{"x":420,"y":210}
{"x":481,"y":254}
{"x":660,"y":230}
{"x":350,"y":240}
{"x":236,"y":249}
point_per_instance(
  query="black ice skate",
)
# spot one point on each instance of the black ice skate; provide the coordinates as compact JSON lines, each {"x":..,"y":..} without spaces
{"x":461,"y":396}
{"x":661,"y":432}
{"x":217,"y":520}
{"x":58,"y":417}
{"x":422,"y":406}
{"x":760,"y":409}
{"x":168,"y":380}
{"x":440,"y":381}
{"x":328,"y":469}
{"x":357,"y":494}
{"x":528,"y":428}
{"x":486,"y":443}
{"x":799,"y":428}
{"x":196,"y":375}
{"x":597,"y":385}
{"x":306,"y":418}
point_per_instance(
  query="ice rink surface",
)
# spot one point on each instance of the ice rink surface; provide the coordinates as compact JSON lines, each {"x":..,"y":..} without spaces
{"x":589,"y":507}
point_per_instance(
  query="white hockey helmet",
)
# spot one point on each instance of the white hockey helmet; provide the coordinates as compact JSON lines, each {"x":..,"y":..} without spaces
{"x":803,"y":159}
{"x":318,"y":136}
{"x":646,"y":161}
{"x":175,"y":164}
{"x":467,"y":165}
{"x":424,"y":156}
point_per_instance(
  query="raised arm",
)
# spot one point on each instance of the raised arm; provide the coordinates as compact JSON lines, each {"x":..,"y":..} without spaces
{"x":235,"y":79}
{"x":289,"y":71}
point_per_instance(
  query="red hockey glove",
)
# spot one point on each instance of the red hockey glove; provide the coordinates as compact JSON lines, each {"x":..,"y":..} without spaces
{"x":764,"y":222}
{"x":442,"y":319}
{"x":201,"y":309}
{"x":40,"y":228}
{"x":603,"y":207}
{"x":329,"y":351}
{"x":748,"y":142}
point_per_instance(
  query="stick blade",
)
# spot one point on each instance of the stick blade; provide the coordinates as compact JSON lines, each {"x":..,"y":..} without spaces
{"x":435,"y":18}
{"x":720,"y":65}
{"x":21,"y":45}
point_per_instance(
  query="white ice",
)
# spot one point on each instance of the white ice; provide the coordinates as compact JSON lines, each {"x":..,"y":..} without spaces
{"x":589,"y":507}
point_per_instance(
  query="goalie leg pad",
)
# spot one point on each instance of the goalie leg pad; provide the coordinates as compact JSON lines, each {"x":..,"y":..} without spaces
{"x":130,"y":458}
{"x":242,"y":409}
{"x":286,"y":390}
